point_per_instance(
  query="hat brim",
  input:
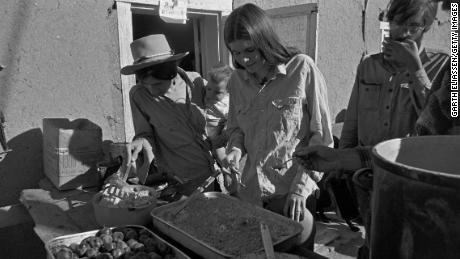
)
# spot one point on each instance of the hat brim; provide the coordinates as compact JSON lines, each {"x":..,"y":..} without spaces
{"x":132,"y":69}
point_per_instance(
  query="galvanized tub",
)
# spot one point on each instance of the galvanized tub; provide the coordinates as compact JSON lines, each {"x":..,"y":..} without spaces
{"x":206,"y":250}
{"x":416,"y":198}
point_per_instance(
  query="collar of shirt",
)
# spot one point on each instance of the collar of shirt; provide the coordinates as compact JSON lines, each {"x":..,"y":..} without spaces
{"x":153,"y":91}
{"x":280,"y":69}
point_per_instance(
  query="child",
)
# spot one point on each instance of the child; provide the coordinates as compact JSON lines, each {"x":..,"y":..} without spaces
{"x":216,"y":107}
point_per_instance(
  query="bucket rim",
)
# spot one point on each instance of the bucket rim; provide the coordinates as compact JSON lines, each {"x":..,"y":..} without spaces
{"x":413,"y":172}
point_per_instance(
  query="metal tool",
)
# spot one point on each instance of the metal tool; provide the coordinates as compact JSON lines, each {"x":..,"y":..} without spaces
{"x":282,"y":165}
{"x":267,"y":241}
{"x":234,"y":171}
{"x":197,"y":192}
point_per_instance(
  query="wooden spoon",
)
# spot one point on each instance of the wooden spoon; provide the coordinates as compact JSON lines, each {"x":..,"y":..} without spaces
{"x":267,"y":241}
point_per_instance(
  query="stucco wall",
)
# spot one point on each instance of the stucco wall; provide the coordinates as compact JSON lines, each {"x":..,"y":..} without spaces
{"x":62,"y":61}
{"x":344,"y":36}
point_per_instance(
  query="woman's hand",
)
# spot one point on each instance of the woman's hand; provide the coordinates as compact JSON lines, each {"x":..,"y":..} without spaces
{"x":232,"y":181}
{"x":295,"y":206}
{"x":232,"y":160}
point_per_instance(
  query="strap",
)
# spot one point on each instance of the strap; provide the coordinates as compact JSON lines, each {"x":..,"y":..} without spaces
{"x":202,"y":139}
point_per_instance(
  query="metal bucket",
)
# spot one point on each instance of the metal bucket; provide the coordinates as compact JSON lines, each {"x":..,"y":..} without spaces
{"x":416,"y":198}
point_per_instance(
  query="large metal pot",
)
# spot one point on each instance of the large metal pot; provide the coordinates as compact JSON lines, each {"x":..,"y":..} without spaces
{"x":416,"y":198}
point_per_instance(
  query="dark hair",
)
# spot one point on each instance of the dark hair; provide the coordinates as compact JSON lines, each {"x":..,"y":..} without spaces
{"x":410,"y":8}
{"x":250,"y":22}
{"x":220,"y":73}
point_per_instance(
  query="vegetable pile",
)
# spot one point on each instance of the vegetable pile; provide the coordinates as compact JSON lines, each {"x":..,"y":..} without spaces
{"x":117,"y":243}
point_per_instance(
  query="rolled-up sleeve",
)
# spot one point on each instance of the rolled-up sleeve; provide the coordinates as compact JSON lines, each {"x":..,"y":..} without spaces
{"x":319,"y":132}
{"x":318,"y":109}
{"x":420,"y":88}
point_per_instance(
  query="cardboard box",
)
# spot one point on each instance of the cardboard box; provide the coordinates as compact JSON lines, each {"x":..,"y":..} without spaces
{"x":71,"y":150}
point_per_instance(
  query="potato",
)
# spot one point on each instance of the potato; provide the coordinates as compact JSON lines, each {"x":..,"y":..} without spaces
{"x":92,"y":252}
{"x":141,"y":255}
{"x":154,"y":255}
{"x":117,"y":253}
{"x":104,"y":256}
{"x":64,"y":253}
{"x":118,"y":235}
{"x":82,"y":248}
{"x":131,"y":234}
{"x":104,"y":231}
{"x":131,"y":242}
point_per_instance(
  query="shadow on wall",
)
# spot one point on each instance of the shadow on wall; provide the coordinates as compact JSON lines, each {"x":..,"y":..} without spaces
{"x":22,"y":167}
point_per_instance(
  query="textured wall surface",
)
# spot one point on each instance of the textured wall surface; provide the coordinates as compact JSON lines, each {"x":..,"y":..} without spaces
{"x":346,"y":31}
{"x":62,"y":61}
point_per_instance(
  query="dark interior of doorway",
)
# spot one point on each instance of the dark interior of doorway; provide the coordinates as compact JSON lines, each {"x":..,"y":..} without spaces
{"x":180,"y":36}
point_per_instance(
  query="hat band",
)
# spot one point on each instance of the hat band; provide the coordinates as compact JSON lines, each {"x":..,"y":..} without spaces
{"x":152,"y":56}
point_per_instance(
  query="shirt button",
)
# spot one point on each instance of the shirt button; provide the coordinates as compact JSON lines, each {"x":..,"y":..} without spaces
{"x":385,"y":124}
{"x":387,"y":107}
{"x":407,"y":74}
{"x":390,"y":90}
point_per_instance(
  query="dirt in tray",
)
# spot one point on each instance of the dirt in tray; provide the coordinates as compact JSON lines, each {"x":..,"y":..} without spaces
{"x":229,"y":226}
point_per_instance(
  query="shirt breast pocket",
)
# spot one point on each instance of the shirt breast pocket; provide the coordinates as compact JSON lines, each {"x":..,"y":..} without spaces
{"x":289,"y":111}
{"x":369,"y":96}
{"x":289,"y":107}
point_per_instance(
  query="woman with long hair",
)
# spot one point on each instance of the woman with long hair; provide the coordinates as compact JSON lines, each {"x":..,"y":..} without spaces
{"x":278,"y":99}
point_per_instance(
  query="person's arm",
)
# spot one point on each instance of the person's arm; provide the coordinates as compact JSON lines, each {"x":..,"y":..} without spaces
{"x":407,"y":53}
{"x":199,"y":92}
{"x":327,"y":159}
{"x":349,"y":135}
{"x":233,"y":131}
{"x":142,"y":126}
{"x":317,"y":120}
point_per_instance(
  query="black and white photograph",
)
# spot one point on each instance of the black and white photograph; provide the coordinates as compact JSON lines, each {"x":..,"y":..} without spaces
{"x":220,"y":129}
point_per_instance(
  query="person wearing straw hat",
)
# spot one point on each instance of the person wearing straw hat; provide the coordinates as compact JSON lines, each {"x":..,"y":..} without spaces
{"x":166,"y":105}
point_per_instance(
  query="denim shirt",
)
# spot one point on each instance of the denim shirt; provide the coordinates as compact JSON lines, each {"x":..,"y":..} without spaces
{"x":385,"y":103}
{"x":268,"y":122}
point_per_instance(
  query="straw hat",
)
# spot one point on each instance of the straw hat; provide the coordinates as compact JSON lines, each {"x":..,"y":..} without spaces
{"x":150,"y":50}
